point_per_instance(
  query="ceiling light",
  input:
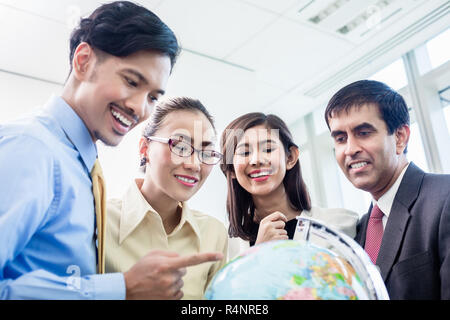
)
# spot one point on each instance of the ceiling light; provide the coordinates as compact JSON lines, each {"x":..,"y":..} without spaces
{"x":371,"y":16}
{"x":328,"y":11}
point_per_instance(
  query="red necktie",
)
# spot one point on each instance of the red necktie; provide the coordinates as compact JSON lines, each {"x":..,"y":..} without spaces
{"x":374,"y":233}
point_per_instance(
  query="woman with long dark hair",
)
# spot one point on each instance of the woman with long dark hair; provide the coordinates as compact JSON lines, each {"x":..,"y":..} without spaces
{"x":266,"y":191}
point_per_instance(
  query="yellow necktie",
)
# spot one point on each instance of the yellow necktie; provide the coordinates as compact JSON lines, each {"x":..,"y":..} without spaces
{"x":99,"y":191}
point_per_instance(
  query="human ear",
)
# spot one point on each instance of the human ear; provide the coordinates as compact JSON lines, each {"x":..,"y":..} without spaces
{"x":402,"y":138}
{"x":143,"y":148}
{"x":292,"y":158}
{"x":83,"y":60}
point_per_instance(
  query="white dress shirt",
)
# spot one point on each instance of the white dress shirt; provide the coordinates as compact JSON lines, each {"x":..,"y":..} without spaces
{"x":386,"y":200}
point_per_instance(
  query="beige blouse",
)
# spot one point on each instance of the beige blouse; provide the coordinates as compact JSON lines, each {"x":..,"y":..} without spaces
{"x":134,"y":228}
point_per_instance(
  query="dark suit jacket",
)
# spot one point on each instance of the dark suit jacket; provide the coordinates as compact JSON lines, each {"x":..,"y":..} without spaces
{"x":414,"y":257}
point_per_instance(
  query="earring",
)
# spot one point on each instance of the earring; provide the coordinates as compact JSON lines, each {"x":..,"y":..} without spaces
{"x":143,"y":161}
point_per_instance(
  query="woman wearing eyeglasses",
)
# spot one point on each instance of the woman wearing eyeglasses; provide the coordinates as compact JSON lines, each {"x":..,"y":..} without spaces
{"x":177,"y":155}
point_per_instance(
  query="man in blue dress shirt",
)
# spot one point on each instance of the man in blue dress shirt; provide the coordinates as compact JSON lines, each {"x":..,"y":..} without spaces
{"x":121,"y":58}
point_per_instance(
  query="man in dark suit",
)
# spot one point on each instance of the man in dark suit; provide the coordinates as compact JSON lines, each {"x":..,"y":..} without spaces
{"x":407,"y":229}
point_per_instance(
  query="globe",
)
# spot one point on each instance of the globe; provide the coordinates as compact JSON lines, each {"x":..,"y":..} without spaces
{"x":319,"y":264}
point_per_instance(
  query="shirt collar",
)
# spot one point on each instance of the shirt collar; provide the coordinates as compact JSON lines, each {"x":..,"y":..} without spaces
{"x":74,"y":129}
{"x":386,"y":201}
{"x":187,"y":216}
{"x":135,"y":207}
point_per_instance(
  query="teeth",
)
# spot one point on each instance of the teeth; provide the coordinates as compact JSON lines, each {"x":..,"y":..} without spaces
{"x":121,"y":118}
{"x":260,"y":174}
{"x":358,"y":165}
{"x":185,"y":179}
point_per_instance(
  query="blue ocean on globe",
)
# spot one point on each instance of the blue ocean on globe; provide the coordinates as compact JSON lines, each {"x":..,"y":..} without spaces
{"x":287,"y":270}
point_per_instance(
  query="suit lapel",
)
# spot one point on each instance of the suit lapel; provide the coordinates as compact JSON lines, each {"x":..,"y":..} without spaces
{"x":398,"y":219}
{"x":362,"y":228}
{"x":392,"y":238}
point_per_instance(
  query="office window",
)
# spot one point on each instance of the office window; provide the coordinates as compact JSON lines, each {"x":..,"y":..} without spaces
{"x":299,"y":132}
{"x":320,"y":125}
{"x":394,"y":75}
{"x":416,"y":152}
{"x":438,"y":49}
{"x":308,"y":174}
{"x":444,"y":95}
{"x":434,"y":53}
{"x":447,"y":117}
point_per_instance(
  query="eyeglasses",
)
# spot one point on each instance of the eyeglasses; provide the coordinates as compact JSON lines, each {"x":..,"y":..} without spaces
{"x":184,"y":149}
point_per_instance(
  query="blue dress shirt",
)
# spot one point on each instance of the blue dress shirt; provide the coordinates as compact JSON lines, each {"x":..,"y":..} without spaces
{"x":47,"y":217}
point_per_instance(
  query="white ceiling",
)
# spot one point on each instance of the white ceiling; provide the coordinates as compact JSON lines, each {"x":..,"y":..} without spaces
{"x":240,"y":55}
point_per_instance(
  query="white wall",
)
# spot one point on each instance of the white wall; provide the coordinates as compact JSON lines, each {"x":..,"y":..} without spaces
{"x":19,"y":95}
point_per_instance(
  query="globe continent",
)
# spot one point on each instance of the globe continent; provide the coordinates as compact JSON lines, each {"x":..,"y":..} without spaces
{"x":287,"y":269}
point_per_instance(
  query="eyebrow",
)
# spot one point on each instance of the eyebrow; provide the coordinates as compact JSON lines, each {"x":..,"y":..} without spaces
{"x":142,"y":79}
{"x":363,"y":126}
{"x":186,"y":138}
{"x":336,"y":133}
{"x":359,"y":127}
{"x":246,"y":144}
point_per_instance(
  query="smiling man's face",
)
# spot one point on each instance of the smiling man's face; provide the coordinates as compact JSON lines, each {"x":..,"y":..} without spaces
{"x":116,"y":94}
{"x":368,"y":155}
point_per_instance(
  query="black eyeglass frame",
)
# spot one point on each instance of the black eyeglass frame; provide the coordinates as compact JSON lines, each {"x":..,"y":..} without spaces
{"x":171,"y":141}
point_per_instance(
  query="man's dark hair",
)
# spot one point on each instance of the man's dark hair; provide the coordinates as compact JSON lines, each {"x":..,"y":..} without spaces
{"x":122,"y":28}
{"x":392,"y":106}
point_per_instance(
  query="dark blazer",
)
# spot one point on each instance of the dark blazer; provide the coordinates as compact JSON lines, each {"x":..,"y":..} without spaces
{"x":414,"y":257}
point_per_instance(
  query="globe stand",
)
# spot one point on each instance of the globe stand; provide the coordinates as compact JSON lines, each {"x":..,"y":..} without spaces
{"x":313,"y":231}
